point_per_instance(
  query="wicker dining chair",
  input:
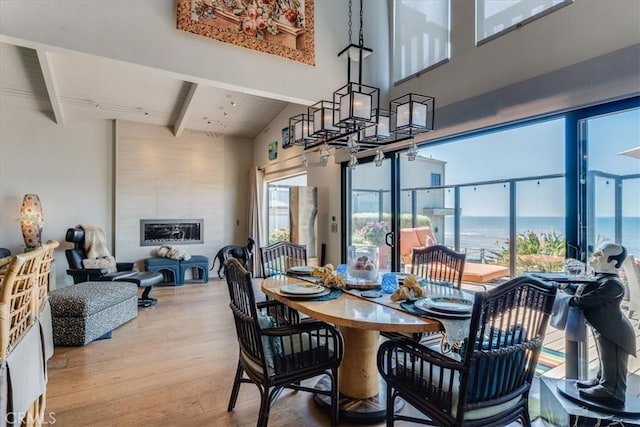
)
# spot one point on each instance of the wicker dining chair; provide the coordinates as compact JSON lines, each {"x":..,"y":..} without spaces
{"x":19,"y":331}
{"x":438,"y":264}
{"x":276,"y":350}
{"x":281,"y":256}
{"x":487,"y":383}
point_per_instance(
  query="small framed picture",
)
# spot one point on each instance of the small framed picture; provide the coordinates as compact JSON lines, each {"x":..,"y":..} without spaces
{"x":286,"y":141}
{"x":273,"y":150}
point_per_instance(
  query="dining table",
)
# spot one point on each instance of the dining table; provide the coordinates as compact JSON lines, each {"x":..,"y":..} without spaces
{"x":360,"y":320}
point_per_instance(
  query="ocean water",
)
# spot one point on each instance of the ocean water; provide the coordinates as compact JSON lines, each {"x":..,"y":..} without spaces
{"x":492,"y":232}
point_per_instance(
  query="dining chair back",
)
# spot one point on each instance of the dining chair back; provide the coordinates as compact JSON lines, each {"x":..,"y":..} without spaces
{"x":438,"y":263}
{"x":281,"y":256}
{"x":44,"y":271}
{"x":487,"y":382}
{"x":276,"y":350}
{"x":17,"y":297}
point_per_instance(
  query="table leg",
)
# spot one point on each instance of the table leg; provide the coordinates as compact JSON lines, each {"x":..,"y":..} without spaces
{"x":362,"y":397}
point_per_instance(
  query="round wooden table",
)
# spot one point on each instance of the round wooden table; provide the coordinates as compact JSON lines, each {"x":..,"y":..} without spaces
{"x":360,"y":321}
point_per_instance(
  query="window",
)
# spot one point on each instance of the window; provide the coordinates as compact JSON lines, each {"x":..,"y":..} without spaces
{"x":496,"y":17}
{"x":436,"y":179}
{"x":420,"y":36}
{"x":278,"y":207}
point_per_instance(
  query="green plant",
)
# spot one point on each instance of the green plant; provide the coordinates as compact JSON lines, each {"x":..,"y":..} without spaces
{"x":374,"y":232}
{"x":278,"y":235}
{"x":535,"y":252}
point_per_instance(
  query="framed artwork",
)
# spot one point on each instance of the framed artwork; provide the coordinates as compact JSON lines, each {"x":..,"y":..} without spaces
{"x":286,"y":142}
{"x":273,"y":150}
{"x":280,"y":27}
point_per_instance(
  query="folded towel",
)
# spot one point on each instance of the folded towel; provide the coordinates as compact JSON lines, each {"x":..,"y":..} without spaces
{"x":568,"y":318}
{"x":559,"y":311}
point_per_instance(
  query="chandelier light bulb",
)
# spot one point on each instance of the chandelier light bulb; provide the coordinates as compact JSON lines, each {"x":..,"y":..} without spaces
{"x":379,"y":157}
{"x":353,"y":161}
{"x":413,"y":152}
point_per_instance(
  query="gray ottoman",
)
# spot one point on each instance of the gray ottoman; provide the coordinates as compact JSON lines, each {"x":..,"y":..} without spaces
{"x":86,"y":311}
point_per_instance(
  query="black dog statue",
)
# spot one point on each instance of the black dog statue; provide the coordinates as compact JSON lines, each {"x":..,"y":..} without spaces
{"x":243,"y":253}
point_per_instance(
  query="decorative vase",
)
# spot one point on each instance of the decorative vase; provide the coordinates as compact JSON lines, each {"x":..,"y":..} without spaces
{"x":31,"y":221}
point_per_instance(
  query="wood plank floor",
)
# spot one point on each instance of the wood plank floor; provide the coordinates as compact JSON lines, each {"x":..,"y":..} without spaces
{"x":171,"y":366}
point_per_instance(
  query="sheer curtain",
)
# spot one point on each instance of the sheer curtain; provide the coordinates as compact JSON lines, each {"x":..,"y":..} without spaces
{"x":256,"y":225}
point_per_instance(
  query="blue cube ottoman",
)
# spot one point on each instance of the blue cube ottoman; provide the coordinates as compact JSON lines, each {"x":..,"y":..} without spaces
{"x":86,"y":311}
{"x":164,"y":265}
{"x":200,"y":263}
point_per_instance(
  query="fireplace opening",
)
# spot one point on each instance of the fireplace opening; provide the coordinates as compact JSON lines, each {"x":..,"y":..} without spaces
{"x":155,"y":232}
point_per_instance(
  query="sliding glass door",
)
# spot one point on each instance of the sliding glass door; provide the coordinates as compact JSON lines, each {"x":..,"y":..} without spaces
{"x":369,"y":202}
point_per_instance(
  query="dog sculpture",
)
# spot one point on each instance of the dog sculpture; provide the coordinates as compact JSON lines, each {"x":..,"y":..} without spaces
{"x":243,"y":253}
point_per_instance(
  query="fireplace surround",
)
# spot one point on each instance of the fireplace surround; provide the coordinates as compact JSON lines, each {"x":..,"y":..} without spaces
{"x":156,"y":232}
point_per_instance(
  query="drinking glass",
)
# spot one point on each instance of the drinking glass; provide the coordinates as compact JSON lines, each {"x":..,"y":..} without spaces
{"x":389,"y":283}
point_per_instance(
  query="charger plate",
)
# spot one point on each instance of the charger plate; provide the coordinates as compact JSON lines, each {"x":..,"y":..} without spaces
{"x":445,"y":304}
{"x":325,"y":292}
{"x":301,"y":289}
{"x":301,"y":270}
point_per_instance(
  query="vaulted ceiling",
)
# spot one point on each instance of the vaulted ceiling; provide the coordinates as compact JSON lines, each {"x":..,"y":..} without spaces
{"x":73,"y":86}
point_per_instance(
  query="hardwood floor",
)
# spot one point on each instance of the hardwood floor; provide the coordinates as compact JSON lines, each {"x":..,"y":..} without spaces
{"x":171,"y":366}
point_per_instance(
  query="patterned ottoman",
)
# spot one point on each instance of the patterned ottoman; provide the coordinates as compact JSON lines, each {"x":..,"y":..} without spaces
{"x":86,"y":311}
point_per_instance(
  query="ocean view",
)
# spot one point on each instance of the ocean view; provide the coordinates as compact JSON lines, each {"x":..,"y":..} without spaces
{"x":492,"y":232}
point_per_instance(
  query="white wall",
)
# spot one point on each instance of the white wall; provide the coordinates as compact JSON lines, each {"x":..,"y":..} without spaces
{"x":144,"y":32}
{"x":69,"y":167}
{"x":195,"y":176}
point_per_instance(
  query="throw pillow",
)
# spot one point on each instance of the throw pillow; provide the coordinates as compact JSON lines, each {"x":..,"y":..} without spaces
{"x":270,"y":345}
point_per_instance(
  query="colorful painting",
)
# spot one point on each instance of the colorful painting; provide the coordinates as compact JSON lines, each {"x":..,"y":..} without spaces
{"x":273,"y":150}
{"x":279,"y":27}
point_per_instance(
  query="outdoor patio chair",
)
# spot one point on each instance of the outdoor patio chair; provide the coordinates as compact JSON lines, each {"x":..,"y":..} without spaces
{"x":276,"y":350}
{"x":281,"y":256}
{"x":487,"y":382}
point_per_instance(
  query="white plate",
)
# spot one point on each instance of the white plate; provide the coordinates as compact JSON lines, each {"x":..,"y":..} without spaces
{"x":443,"y":315}
{"x":301,"y":289}
{"x":301,"y":269}
{"x":445,"y":304}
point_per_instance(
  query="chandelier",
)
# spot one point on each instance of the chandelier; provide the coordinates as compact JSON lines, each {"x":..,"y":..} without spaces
{"x":353,"y":120}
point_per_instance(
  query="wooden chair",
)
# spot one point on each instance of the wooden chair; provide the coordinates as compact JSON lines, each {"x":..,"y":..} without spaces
{"x":281,"y":256}
{"x":19,"y":331}
{"x":488,"y":382}
{"x":276,"y":351}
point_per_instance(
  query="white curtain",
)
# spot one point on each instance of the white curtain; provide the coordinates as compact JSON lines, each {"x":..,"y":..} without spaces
{"x":256,"y":219}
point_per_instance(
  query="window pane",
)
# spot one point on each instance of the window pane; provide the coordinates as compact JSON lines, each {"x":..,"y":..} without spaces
{"x":421,"y":35}
{"x":496,"y":16}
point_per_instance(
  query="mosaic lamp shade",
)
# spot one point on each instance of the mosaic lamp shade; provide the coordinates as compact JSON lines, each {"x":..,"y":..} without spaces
{"x":31,"y":221}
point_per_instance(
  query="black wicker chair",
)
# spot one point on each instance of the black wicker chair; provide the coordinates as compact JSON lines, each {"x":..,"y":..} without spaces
{"x":438,"y":263}
{"x":435,"y":263}
{"x":281,"y":256}
{"x":276,"y":350}
{"x":488,"y":382}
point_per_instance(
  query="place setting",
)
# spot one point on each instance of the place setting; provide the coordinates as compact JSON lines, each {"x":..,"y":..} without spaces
{"x":303,"y":290}
{"x":454,"y":307}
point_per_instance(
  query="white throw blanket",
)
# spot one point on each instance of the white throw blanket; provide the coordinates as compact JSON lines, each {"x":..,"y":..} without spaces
{"x":95,"y":244}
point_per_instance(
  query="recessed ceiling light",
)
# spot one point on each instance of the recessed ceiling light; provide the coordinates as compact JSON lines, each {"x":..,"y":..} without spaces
{"x":97,"y":106}
{"x":226,"y":114}
{"x":233,"y":104}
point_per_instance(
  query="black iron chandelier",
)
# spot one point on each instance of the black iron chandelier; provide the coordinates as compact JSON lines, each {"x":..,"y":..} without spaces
{"x":353,"y":119}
